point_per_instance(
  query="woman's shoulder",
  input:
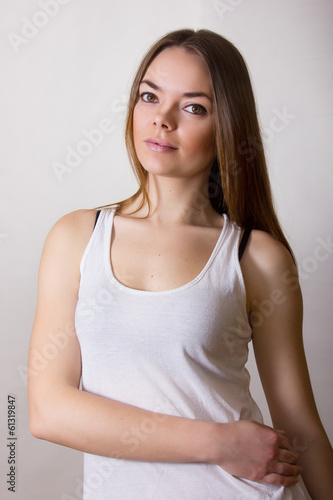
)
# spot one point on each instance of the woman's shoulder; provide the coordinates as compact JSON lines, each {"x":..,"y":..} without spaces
{"x":76,"y":219}
{"x":75,"y":223}
{"x":266,"y":264}
{"x":265,"y":252}
{"x":71,"y":233}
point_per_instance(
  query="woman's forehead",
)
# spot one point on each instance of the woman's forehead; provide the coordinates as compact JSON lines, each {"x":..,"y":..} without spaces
{"x":178,"y":67}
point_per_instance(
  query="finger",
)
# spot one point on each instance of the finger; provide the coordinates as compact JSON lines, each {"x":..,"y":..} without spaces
{"x":270,"y":428}
{"x":279,"y":479}
{"x":287,"y":456}
{"x":284,"y":443}
{"x":284,"y":469}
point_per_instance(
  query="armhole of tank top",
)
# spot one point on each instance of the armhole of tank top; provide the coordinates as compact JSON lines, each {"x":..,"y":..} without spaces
{"x":97,"y":215}
{"x":243,"y":243}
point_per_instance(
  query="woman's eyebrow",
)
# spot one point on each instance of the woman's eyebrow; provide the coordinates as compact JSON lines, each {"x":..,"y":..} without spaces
{"x":150,"y":84}
{"x":186,"y":94}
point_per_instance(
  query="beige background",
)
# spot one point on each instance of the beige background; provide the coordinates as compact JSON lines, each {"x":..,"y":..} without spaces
{"x":66,"y":69}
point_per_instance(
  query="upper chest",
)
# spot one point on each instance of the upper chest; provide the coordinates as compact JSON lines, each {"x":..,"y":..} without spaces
{"x":145,"y":257}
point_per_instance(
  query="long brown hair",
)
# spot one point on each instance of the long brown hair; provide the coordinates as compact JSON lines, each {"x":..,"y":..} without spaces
{"x":239,"y":183}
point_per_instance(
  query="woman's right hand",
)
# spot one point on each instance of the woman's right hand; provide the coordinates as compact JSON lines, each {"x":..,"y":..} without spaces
{"x":256,"y":452}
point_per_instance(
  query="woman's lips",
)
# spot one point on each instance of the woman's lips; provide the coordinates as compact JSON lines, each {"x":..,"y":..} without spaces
{"x":160,"y":146}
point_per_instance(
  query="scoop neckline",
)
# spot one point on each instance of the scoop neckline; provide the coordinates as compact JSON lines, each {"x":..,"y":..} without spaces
{"x":137,"y":291}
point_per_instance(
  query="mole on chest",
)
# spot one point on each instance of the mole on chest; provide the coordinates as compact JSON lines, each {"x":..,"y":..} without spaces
{"x":155,"y":270}
{"x":148,"y":259}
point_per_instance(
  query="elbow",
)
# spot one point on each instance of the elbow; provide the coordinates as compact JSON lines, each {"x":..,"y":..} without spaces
{"x":46,"y":414}
{"x":37,"y":422}
{"x":39,"y":413}
{"x":35,"y":428}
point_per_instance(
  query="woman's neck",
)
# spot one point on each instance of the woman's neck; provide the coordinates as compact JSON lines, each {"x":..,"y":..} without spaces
{"x":177,"y":201}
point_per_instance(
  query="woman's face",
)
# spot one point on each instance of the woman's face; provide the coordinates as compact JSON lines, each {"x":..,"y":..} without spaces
{"x":173,"y":123}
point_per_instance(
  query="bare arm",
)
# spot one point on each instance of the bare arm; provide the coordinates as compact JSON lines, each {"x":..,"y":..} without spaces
{"x":61,"y":413}
{"x":275,"y":302}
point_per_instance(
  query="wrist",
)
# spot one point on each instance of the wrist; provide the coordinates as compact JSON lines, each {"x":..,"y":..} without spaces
{"x":194,"y":440}
{"x":212,"y":436}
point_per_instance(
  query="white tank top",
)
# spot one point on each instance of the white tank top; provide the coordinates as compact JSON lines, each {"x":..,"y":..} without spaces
{"x":179,"y":352}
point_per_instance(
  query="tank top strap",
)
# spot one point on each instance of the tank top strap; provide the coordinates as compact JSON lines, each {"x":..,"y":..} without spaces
{"x":96,"y":249}
{"x":243,"y":243}
{"x":98,"y":213}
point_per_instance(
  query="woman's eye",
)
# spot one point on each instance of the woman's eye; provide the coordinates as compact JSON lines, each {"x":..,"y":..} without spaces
{"x":196,"y":109}
{"x":148,"y":97}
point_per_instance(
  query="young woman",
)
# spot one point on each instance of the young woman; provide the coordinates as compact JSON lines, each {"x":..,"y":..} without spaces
{"x":166,"y":294}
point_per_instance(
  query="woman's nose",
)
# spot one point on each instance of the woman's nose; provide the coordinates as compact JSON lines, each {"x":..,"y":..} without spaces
{"x":165,"y":119}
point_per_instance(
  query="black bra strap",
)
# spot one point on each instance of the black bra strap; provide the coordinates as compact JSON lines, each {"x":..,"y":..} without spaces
{"x":97,"y":215}
{"x":243,"y":243}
